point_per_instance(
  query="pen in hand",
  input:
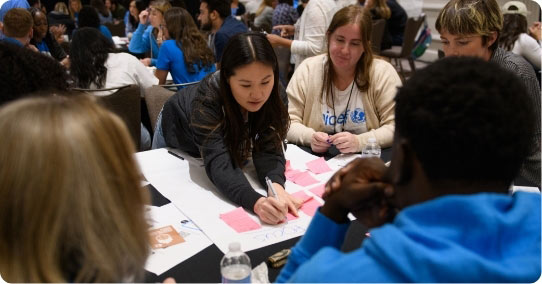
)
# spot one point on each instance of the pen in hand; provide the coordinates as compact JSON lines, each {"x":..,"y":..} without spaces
{"x":271,"y":189}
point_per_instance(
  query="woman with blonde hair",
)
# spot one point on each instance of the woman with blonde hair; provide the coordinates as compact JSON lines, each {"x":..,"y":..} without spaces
{"x":346,"y":96}
{"x":264,"y":16}
{"x":75,"y":7}
{"x":149,"y":34}
{"x":80,"y":217}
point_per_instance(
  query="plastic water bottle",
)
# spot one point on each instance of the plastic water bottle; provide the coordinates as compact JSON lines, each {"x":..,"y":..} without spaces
{"x":371,"y":149}
{"x":235,"y":266}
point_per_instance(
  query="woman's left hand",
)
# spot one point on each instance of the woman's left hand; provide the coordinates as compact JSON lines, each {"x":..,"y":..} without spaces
{"x":345,"y":142}
{"x":292,"y":202}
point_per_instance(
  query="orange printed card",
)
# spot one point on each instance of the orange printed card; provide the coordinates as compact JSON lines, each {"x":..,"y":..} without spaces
{"x":164,"y":237}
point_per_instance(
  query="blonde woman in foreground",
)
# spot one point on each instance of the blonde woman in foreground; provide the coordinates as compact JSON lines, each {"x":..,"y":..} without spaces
{"x":71,"y":204}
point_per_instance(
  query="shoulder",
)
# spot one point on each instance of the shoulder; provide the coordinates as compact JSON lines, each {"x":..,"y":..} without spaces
{"x":380,"y":65}
{"x":314,"y":63}
{"x":169,"y":44}
{"x":512,"y":62}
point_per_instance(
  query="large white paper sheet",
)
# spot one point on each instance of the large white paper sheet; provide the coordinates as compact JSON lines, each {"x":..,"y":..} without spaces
{"x":189,"y":188}
{"x":163,"y":259}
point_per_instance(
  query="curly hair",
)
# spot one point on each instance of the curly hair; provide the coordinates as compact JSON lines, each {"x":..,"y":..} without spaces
{"x":513,"y":26}
{"x":182,"y":28}
{"x":466,"y":119}
{"x":89,"y":50}
{"x":24,"y":71}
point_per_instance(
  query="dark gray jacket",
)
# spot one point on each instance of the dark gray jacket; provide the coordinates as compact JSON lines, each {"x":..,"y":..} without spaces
{"x":182,"y":119}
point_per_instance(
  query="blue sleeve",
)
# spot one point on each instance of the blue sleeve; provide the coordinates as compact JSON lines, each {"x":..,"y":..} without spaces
{"x":10,"y":5}
{"x":163,"y":62}
{"x":322,"y":232}
{"x":128,"y":26}
{"x":153,"y":61}
{"x":140,"y":39}
{"x":105,"y":31}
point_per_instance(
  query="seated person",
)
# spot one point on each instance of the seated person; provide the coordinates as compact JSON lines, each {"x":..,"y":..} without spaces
{"x":518,"y":37}
{"x":215,"y":17}
{"x":185,"y":54}
{"x":43,"y":40}
{"x":149,"y":34}
{"x":449,"y":176}
{"x":110,"y":69}
{"x":231,"y":115}
{"x":88,"y":17}
{"x":81,"y":215}
{"x":24,"y":71}
{"x":60,"y":18}
{"x":471,"y":28}
{"x":131,"y":18}
{"x":344,"y":97}
{"x":17,"y":27}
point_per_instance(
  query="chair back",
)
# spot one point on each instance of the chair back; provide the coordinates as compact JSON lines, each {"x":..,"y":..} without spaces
{"x":379,"y":26}
{"x":126,"y":103}
{"x":117,"y":29}
{"x":409,"y":38}
{"x":155,"y":98}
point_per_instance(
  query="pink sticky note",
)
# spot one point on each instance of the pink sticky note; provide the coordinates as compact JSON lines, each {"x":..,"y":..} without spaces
{"x":301,"y":195}
{"x":239,"y":220}
{"x":319,"y":189}
{"x":310,"y":207}
{"x":304,"y":179}
{"x":318,"y":166}
{"x":287,"y":166}
{"x":291,"y":174}
{"x":290,"y":216}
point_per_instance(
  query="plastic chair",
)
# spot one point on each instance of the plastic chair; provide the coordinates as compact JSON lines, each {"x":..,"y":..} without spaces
{"x":126,"y":103}
{"x":405,"y":51}
{"x":379,"y":26}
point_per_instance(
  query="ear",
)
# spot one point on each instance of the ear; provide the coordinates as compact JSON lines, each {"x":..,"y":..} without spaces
{"x":491,"y":38}
{"x":402,"y":162}
{"x":213,"y":15}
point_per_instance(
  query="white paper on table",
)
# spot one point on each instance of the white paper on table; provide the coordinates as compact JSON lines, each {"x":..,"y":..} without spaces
{"x":162,"y":259}
{"x":341,"y":160}
{"x":189,"y":188}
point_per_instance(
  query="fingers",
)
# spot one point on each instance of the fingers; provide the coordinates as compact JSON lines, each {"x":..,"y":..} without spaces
{"x":169,"y":280}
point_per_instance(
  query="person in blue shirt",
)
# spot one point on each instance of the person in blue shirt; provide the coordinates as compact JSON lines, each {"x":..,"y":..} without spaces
{"x":463,"y":129}
{"x":149,"y":34}
{"x":88,"y":17}
{"x":43,"y":40}
{"x":215,"y":16}
{"x":131,"y":18}
{"x":185,"y":54}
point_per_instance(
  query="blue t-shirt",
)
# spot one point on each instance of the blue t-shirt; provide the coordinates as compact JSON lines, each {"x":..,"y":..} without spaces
{"x":43,"y":48}
{"x":171,"y":58}
{"x":229,"y":28}
{"x":10,"y":4}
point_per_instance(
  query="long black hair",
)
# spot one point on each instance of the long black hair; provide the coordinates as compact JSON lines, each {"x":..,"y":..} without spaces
{"x":140,"y":6}
{"x":89,"y":50}
{"x":241,"y":50}
{"x":513,"y":26}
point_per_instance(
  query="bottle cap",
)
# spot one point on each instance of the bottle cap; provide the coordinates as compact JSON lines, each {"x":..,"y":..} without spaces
{"x":235,"y":246}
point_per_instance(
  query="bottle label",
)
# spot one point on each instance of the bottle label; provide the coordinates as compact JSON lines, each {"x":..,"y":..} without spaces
{"x":236,"y":273}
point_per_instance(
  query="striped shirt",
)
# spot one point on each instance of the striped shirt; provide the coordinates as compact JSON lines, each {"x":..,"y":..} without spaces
{"x":517,"y":64}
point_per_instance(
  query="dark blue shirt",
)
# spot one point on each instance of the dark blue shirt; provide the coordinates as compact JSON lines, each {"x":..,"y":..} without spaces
{"x":12,"y":40}
{"x":229,"y":28}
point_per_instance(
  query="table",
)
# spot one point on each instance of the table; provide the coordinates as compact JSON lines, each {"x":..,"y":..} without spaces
{"x":205,"y":266}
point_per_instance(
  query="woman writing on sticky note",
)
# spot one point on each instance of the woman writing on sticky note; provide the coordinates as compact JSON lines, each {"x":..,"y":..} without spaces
{"x":233,"y":115}
{"x":343,"y":97}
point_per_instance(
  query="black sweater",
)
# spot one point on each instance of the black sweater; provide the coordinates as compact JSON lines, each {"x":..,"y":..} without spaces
{"x":182,"y":119}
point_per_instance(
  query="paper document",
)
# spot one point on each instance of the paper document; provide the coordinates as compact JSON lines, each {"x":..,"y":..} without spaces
{"x":318,"y":166}
{"x":162,"y":259}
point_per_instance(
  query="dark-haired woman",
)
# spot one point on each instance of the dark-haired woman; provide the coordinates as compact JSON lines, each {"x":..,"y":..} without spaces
{"x":95,"y":65}
{"x":43,"y":40}
{"x":186,"y":54}
{"x":234,"y":114}
{"x":344,"y":97}
{"x":131,"y":18}
{"x":516,"y":36}
{"x":88,"y":17}
{"x":103,"y":13}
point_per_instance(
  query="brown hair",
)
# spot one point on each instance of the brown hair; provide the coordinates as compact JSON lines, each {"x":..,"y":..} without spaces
{"x":71,"y":206}
{"x":465,"y":17}
{"x":182,"y":28}
{"x":350,"y":15}
{"x":17,"y":22}
{"x":265,"y":3}
{"x":381,"y":9}
{"x":513,"y":26}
